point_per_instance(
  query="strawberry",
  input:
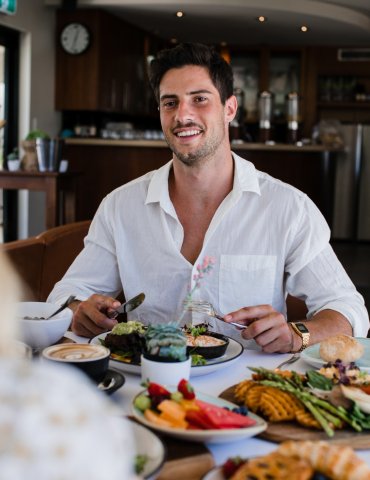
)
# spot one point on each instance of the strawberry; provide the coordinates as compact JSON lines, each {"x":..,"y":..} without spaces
{"x":186,"y":389}
{"x":231,"y":466}
{"x":156,"y":393}
{"x":156,"y":390}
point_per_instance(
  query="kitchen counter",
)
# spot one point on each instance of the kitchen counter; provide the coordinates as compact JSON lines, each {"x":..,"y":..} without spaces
{"x":278,"y":147}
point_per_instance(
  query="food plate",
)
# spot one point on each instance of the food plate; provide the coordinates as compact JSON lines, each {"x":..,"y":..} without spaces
{"x":312,"y":356}
{"x":147,"y":443}
{"x":233,"y":351}
{"x":211,"y":436}
{"x":214,"y":474}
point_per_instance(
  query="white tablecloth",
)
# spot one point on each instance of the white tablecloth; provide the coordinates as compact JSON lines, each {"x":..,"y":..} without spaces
{"x":213,"y":384}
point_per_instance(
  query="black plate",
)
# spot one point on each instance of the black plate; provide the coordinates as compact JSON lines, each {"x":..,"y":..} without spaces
{"x":210,"y":352}
{"x":118,"y":378}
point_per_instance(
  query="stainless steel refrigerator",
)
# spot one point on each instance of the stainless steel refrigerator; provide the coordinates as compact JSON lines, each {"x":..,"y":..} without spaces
{"x":351,"y":215}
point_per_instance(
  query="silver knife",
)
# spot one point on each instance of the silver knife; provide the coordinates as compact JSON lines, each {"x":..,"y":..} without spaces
{"x":128,"y":306}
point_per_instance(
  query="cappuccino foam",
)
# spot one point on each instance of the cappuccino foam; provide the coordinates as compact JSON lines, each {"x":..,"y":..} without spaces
{"x":76,"y":353}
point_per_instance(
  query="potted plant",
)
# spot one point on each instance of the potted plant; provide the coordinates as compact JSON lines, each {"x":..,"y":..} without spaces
{"x":165,"y":359}
{"x":12,"y":160}
{"x":29,"y":160}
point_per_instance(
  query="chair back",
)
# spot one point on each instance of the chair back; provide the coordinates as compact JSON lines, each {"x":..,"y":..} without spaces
{"x":62,"y":245}
{"x":41,"y":261}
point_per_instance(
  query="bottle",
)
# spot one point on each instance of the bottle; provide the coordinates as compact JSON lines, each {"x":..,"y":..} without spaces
{"x":292,"y":116}
{"x":265,"y":102}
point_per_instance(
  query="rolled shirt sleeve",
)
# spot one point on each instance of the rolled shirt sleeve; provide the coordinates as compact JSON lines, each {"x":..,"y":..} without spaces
{"x":315,"y":274}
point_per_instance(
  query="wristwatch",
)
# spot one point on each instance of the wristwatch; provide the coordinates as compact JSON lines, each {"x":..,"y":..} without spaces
{"x":302,"y":331}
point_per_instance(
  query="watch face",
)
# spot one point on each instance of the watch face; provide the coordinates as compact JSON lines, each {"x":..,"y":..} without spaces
{"x":301,"y":327}
{"x":75,"y":38}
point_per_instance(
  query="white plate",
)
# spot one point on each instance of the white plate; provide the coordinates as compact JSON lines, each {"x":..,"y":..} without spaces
{"x":312,"y":356}
{"x":233,"y":351}
{"x":211,"y":436}
{"x":147,"y":443}
{"x":214,"y":474}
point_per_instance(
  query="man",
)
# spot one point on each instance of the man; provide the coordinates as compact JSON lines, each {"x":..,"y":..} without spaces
{"x":268,"y":239}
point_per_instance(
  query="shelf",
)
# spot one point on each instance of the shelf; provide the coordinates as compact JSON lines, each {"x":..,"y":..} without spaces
{"x":355,"y":105}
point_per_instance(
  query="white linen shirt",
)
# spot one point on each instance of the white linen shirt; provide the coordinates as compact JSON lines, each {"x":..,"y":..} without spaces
{"x":268,"y":239}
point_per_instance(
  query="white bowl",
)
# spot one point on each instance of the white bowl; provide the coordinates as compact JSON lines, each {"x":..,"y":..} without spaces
{"x":42,"y":333}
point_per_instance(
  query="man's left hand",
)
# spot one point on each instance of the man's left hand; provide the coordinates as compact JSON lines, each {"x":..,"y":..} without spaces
{"x":266,"y":326}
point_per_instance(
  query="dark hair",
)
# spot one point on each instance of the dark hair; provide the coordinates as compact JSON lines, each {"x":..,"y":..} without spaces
{"x":193,"y":54}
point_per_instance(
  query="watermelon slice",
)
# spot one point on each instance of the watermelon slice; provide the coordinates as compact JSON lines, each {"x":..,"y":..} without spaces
{"x":221,"y":418}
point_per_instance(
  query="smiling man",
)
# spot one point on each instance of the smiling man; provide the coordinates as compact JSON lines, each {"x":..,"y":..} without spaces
{"x":268,"y":238}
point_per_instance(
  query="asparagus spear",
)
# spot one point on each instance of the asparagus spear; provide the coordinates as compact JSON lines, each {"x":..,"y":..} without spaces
{"x":315,"y":405}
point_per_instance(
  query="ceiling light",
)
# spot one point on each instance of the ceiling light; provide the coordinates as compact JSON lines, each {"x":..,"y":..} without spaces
{"x":173,"y":40}
{"x":179,"y":14}
{"x":304,"y":28}
{"x":261,"y":19}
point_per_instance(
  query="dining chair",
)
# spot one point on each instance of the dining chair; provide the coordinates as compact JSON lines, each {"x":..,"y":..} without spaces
{"x":42,"y":260}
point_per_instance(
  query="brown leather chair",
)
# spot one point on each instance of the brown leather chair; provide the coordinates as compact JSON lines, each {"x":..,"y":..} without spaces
{"x":43,"y":260}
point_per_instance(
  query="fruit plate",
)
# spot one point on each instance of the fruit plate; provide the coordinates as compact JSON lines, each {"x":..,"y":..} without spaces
{"x":312,"y":355}
{"x":233,"y":351}
{"x":214,"y":474}
{"x":212,"y":435}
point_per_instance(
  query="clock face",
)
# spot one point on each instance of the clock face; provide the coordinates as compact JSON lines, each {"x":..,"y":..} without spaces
{"x":75,"y":38}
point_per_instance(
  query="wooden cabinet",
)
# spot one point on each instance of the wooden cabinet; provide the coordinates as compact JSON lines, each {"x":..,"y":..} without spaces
{"x":338,"y":89}
{"x":110,"y":75}
{"x":328,"y":87}
{"x":278,"y":70}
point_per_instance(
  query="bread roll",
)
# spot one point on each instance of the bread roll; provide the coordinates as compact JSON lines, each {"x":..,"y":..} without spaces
{"x":342,"y":347}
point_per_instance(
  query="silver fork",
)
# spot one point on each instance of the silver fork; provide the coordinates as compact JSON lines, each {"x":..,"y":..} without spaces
{"x":290,"y":360}
{"x":208,"y":309}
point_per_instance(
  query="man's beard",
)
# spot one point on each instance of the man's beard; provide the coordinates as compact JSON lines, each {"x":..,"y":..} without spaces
{"x":193,"y":159}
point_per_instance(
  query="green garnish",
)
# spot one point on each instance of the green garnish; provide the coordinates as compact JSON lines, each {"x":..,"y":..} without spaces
{"x":317,"y":380}
{"x":140,"y":461}
{"x":197,"y":360}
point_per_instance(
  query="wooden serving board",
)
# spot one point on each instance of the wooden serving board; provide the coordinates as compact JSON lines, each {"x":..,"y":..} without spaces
{"x":185,"y":460}
{"x":279,"y":432}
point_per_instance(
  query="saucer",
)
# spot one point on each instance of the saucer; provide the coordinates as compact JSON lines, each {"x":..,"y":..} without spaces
{"x":112,"y":381}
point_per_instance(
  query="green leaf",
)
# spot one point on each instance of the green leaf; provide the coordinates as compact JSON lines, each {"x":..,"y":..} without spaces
{"x":317,"y":380}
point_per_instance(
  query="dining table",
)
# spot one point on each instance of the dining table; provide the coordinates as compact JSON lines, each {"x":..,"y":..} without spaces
{"x":214,"y":384}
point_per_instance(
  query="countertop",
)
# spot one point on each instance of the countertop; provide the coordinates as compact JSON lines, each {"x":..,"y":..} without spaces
{"x":235,"y":146}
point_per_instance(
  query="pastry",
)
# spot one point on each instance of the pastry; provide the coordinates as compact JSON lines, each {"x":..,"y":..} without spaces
{"x":335,"y":461}
{"x":342,"y":347}
{"x":274,"y":466}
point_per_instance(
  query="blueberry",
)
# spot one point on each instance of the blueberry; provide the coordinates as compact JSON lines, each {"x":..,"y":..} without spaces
{"x":243,"y":410}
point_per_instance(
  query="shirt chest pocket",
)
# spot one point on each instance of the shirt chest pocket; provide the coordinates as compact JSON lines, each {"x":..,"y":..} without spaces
{"x":246,"y":280}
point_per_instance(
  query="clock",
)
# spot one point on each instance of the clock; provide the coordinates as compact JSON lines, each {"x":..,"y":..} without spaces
{"x":75,"y":38}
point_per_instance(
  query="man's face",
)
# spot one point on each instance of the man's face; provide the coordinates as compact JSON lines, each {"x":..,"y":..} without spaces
{"x":194,"y":121}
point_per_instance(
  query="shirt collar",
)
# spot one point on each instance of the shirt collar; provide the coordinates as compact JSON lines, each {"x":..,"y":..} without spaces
{"x":158,"y":186}
{"x":245,"y":176}
{"x":245,"y":180}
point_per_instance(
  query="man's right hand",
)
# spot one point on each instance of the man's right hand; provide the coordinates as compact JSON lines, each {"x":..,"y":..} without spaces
{"x":90,"y":316}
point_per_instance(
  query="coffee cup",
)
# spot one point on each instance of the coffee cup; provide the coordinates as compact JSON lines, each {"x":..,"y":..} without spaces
{"x":91,"y":359}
